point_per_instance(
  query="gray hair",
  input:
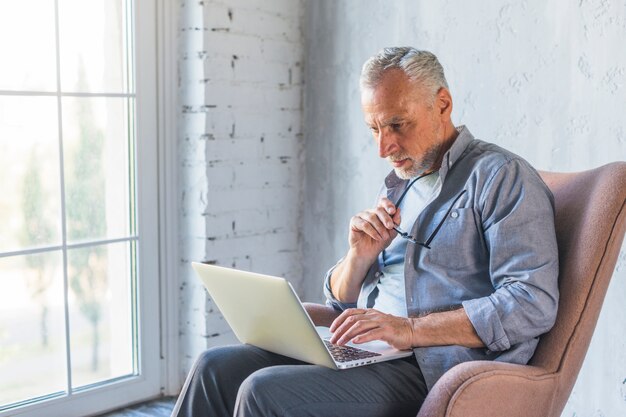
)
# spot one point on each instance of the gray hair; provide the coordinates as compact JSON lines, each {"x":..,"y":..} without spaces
{"x":422,"y":67}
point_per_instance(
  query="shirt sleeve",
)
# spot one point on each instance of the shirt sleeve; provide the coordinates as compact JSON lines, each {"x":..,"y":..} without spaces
{"x":331,"y":301}
{"x":518,"y":223}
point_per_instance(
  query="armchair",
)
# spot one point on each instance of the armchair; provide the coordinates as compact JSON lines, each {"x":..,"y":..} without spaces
{"x":590,"y":226}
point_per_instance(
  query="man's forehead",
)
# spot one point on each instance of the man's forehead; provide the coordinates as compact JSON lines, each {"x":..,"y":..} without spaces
{"x":385,"y":108}
{"x":382,"y":93}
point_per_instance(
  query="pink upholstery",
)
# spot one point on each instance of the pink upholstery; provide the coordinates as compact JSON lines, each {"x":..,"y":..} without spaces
{"x":590,"y":226}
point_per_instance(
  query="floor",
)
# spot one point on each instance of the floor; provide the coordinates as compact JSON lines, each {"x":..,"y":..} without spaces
{"x":157,"y":408}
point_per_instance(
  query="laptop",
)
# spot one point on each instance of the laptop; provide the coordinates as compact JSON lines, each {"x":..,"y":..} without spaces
{"x":265,"y":311}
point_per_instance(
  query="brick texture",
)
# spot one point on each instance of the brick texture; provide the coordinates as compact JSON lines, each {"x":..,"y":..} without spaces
{"x":240,"y":151}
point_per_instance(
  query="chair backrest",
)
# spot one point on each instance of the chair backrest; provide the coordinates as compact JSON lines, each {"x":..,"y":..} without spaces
{"x":590,"y":225}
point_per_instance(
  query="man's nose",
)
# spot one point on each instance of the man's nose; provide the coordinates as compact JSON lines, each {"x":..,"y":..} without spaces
{"x":386,"y":143}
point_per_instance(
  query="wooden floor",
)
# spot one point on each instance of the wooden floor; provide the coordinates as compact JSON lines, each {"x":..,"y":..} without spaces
{"x":157,"y":408}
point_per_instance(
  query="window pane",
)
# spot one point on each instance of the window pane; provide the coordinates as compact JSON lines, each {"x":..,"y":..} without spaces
{"x":96,"y":142}
{"x":32,"y":327}
{"x":29,"y":173}
{"x":92,"y":45}
{"x":27,"y":45}
{"x":100,"y":312}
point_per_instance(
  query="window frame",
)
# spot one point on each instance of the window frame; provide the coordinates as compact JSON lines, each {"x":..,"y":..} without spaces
{"x":122,"y":391}
{"x":167,"y":21}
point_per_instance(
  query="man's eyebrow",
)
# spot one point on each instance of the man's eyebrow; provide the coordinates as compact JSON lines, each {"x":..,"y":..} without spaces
{"x":387,"y":122}
{"x":393,"y":120}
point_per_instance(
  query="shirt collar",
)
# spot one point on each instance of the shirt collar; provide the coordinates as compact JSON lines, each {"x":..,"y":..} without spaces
{"x":453,"y":154}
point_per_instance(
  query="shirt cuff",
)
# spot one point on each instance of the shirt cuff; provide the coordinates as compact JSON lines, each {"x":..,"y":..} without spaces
{"x":486,"y":321}
{"x":331,"y":301}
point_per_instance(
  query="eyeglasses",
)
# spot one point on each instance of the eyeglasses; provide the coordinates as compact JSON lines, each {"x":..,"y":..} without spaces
{"x":405,"y":235}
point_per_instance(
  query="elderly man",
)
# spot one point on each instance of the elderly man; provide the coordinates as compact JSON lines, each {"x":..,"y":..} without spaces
{"x":458,"y":261}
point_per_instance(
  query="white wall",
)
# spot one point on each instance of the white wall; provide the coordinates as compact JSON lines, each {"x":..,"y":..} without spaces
{"x":240,"y":145}
{"x":543,"y":79}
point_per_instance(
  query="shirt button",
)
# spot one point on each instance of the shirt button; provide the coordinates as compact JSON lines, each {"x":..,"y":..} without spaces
{"x":377,"y":274}
{"x":454,"y":214}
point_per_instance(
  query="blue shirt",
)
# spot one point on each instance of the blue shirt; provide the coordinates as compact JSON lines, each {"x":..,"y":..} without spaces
{"x":491,"y":249}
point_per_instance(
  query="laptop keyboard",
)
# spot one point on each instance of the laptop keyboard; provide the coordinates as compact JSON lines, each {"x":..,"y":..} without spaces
{"x":348,"y":353}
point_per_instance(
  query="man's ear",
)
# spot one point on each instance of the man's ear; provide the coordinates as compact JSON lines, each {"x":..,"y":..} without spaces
{"x":444,"y":102}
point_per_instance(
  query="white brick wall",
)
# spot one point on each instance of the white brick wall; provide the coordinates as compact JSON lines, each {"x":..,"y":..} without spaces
{"x":240,"y":147}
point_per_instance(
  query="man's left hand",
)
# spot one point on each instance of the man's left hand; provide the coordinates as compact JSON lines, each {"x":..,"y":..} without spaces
{"x":364,"y":325}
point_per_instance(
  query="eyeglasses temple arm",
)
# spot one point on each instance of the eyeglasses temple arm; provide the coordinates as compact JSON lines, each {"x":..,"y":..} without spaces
{"x":434,"y":233}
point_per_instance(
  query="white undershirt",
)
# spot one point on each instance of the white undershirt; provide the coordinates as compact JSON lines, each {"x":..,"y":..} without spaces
{"x":391,"y":298}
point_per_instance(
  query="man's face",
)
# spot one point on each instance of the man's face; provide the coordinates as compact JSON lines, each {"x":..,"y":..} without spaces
{"x":406,"y":122}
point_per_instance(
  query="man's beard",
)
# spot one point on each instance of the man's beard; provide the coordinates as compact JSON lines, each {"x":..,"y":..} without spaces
{"x":417,"y":167}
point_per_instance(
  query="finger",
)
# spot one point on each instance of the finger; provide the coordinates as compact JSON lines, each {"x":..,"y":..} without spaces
{"x":396,"y":217}
{"x":384,"y":217}
{"x":378,"y":218}
{"x":358,"y":224}
{"x":350,"y":326}
{"x":341,"y":325}
{"x":376,"y":333}
{"x":360,"y":326}
{"x":340,"y":329}
{"x":342,"y":317}
{"x":387,"y":205}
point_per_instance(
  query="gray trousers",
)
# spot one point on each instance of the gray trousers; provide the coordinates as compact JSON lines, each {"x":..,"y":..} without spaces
{"x":245,"y":381}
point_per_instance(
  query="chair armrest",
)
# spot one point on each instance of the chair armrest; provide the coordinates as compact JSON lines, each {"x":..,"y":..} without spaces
{"x":320,"y":314}
{"x":509,"y":390}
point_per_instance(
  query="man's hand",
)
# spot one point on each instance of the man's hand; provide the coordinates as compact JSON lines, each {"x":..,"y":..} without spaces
{"x":435,"y":329}
{"x":371,"y":230}
{"x":364,"y":325}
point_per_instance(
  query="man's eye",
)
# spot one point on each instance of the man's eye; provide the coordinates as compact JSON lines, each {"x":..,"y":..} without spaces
{"x":374,"y":129}
{"x":396,"y":126}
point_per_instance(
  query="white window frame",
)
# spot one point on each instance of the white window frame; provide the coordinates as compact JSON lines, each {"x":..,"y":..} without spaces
{"x":148,"y":383}
{"x":169,"y":197}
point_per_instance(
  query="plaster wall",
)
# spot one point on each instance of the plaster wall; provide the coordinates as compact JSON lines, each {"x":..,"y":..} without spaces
{"x":543,"y":79}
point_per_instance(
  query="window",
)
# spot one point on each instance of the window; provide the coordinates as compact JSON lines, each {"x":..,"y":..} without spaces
{"x":78,"y":241}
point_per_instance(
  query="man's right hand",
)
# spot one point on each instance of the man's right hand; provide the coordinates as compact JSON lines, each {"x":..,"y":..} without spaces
{"x":371,"y":231}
